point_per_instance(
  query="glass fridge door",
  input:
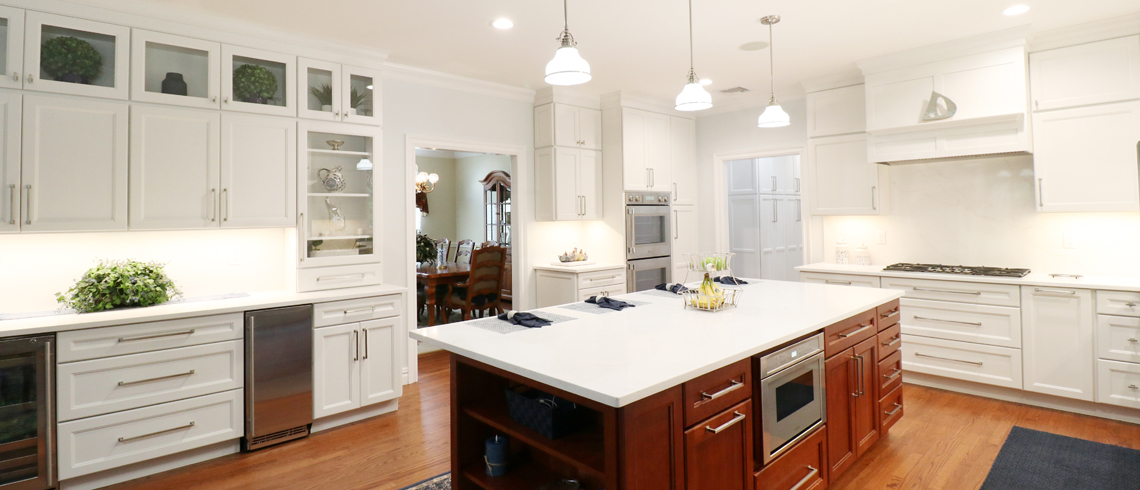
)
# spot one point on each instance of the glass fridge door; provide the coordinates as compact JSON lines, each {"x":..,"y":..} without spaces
{"x":25,"y":437}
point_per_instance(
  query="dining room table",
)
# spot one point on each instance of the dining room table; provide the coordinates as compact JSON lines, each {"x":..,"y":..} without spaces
{"x":433,"y":276}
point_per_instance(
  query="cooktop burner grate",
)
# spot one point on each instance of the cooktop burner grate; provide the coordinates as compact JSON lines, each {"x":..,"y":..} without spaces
{"x":957,"y":269}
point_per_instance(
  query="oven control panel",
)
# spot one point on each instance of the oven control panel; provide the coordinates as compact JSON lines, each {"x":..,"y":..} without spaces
{"x":648,"y":198}
{"x":788,"y":356}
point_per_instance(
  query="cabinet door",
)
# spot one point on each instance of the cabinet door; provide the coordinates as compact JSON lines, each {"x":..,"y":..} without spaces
{"x":718,"y":451}
{"x":336,"y":369}
{"x":683,"y":158}
{"x":175,"y":157}
{"x":772,"y":263}
{"x":567,"y":201}
{"x":837,"y":111}
{"x":110,"y":41}
{"x":1086,"y":74}
{"x":359,"y":103}
{"x":10,"y":189}
{"x":1057,"y":341}
{"x":634,"y":127}
{"x":792,"y":229}
{"x":590,"y":128}
{"x":259,"y":158}
{"x":380,"y":360}
{"x":74,"y":164}
{"x":319,"y":89}
{"x":544,"y":126}
{"x":841,"y":390}
{"x":866,"y":418}
{"x":845,"y":183}
{"x":653,"y":452}
{"x":657,"y":152}
{"x":589,"y":183}
{"x":684,"y":239}
{"x":258,"y":98}
{"x":12,"y":50}
{"x":157,"y":57}
{"x":744,"y":217}
{"x":1085,"y":159}
{"x":566,"y":126}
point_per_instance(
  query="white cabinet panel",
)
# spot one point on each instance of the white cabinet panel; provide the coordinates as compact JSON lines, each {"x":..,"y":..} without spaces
{"x":1118,"y":338}
{"x":336,"y":374}
{"x":658,"y":149}
{"x":12,"y":63}
{"x":119,"y":340}
{"x":1118,"y":383}
{"x":742,"y":176}
{"x":567,"y":200}
{"x":544,"y":126}
{"x":635,"y":137}
{"x":744,"y":215}
{"x":841,"y":279}
{"x":356,"y":310}
{"x":683,"y":161}
{"x":1085,"y":159}
{"x":258,"y":177}
{"x":11,"y":189}
{"x":590,"y":183}
{"x":175,"y":164}
{"x":1126,"y":303}
{"x":845,"y":183}
{"x":379,"y":360}
{"x":365,"y":107}
{"x":155,"y":54}
{"x":837,"y":111}
{"x":566,"y":126}
{"x":112,"y":42}
{"x":338,"y":277}
{"x":897,"y":103}
{"x":568,"y":184}
{"x":1058,"y":341}
{"x":982,"y":324}
{"x":1086,"y":74}
{"x":791,"y":222}
{"x":322,"y":77}
{"x":590,"y":128}
{"x":956,"y":291}
{"x":772,"y":251}
{"x":685,"y":238}
{"x":1000,"y":366}
{"x":74,"y":164}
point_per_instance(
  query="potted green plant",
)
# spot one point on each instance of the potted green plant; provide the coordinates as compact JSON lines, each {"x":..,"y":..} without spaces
{"x":425,"y":249}
{"x":115,"y":284}
{"x":70,"y":59}
{"x":356,"y":99}
{"x":253,"y":83}
{"x":324,"y":96}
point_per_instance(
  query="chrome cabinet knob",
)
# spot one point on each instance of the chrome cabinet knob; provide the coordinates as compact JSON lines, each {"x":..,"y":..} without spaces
{"x":15,"y":76}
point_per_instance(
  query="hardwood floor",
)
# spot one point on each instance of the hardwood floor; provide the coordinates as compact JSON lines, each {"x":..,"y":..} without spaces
{"x":945,"y":440}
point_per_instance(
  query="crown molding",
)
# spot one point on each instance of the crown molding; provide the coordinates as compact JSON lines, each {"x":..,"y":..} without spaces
{"x":984,"y":43}
{"x":833,"y":81}
{"x":565,"y":95}
{"x":1101,"y":30}
{"x":634,"y":100}
{"x":395,"y":71}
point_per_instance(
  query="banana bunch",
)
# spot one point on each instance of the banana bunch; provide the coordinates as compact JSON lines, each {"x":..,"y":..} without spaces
{"x":710,"y":294}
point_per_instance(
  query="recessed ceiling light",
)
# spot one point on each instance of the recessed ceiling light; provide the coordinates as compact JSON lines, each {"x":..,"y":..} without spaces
{"x":503,"y":24}
{"x":1016,"y":10}
{"x":705,"y":81}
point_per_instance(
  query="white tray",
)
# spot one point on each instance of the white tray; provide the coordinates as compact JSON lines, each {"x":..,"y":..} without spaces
{"x":575,"y":264}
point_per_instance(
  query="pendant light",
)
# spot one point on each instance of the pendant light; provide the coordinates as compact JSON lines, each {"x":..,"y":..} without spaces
{"x":774,"y":116}
{"x":693,"y":97}
{"x":567,"y":67}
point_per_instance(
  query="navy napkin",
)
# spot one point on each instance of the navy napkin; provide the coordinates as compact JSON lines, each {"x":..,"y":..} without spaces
{"x":672,"y":287}
{"x":607,"y":302}
{"x":527,"y":320}
{"x":732,"y":281}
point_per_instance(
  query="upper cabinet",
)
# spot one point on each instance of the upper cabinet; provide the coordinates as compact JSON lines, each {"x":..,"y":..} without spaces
{"x":175,"y":166}
{"x":334,"y":92}
{"x":683,"y":160}
{"x":337,"y":199}
{"x":567,"y":184}
{"x":1086,"y":74}
{"x":11,"y":188}
{"x":168,"y":69}
{"x":845,"y":183}
{"x":75,"y":56}
{"x":11,"y":47}
{"x":836,"y":111}
{"x":646,"y":150}
{"x":566,"y":125}
{"x":258,"y":81}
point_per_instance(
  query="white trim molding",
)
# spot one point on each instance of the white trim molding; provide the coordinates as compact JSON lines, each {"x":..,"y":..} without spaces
{"x":395,"y":71}
{"x":1101,"y":30}
{"x":1007,"y":38}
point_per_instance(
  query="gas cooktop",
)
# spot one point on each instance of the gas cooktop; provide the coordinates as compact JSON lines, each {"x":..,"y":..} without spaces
{"x":957,"y":269}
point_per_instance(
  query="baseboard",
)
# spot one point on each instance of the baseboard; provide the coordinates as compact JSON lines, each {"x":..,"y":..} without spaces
{"x":1024,"y":397}
{"x":146,"y":468}
{"x":357,"y":415}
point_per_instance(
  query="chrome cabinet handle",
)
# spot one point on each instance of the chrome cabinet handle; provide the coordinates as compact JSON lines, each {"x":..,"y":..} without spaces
{"x":976,"y":324}
{"x":127,"y":439}
{"x":894,"y":340}
{"x":15,"y":204}
{"x":733,"y":387}
{"x":806,"y":479}
{"x":738,"y":417}
{"x":893,"y":412}
{"x":172,"y":376}
{"x":1133,"y":387}
{"x":214,"y":205}
{"x":674,"y":191}
{"x":1130,"y":304}
{"x":845,"y":283}
{"x":775,"y":211}
{"x":226,"y":201}
{"x":359,"y":310}
{"x":337,"y":278}
{"x":797,"y":182}
{"x":303,"y":238}
{"x":675,"y":225}
{"x":773,"y":182}
{"x":890,"y":313}
{"x":972,"y":293}
{"x":356,"y":344}
{"x":157,"y":336}
{"x":874,"y":198}
{"x":856,"y":393}
{"x":976,"y":363}
{"x":28,"y":209}
{"x":365,"y":330}
{"x":1058,"y":291}
{"x":1133,"y":340}
{"x":893,"y":375}
{"x":862,"y":375}
{"x":1040,"y":193}
{"x":48,"y":353}
{"x":860,"y":329}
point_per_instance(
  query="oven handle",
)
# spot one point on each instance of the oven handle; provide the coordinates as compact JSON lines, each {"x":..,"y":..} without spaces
{"x":739,"y":416}
{"x":806,"y":479}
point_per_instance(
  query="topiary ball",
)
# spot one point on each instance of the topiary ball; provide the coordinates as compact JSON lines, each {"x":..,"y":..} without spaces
{"x":68,"y":55}
{"x":253,"y":81}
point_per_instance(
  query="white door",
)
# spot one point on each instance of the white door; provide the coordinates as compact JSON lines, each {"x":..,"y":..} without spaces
{"x":685,"y":239}
{"x":590,"y":128}
{"x":380,"y":360}
{"x":744,"y":234}
{"x":1086,"y":74}
{"x":320,"y":90}
{"x":791,"y":219}
{"x":567,"y":200}
{"x":10,"y":187}
{"x":259,"y":158}
{"x":282,"y":67}
{"x":566,"y":125}
{"x":1085,"y":159}
{"x":74,"y":170}
{"x":1057,"y":341}
{"x":657,"y":152}
{"x":154,"y":55}
{"x":634,"y":136}
{"x":846,"y":184}
{"x":359,"y":102}
{"x":175,"y":158}
{"x":772,"y":250}
{"x":336,"y":369}
{"x":684,"y":164}
{"x":12,"y":64}
{"x":112,"y":42}
{"x":589,"y":183}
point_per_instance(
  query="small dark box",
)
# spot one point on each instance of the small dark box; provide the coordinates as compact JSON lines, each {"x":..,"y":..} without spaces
{"x":544,"y":413}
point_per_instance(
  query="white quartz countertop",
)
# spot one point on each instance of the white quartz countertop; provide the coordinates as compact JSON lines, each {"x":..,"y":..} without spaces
{"x":170,"y":311}
{"x":579,"y":268}
{"x":1115,"y":283}
{"x":617,"y":358}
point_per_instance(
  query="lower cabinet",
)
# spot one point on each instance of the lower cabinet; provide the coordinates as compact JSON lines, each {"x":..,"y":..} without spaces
{"x":1057,"y":335}
{"x":355,"y":365}
{"x":802,"y":468}
{"x":558,"y":285}
{"x":718,"y":451}
{"x":852,"y":404}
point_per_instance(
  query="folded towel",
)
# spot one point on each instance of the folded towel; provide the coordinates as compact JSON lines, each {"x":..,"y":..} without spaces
{"x":732,"y":281}
{"x":672,"y":287}
{"x":606,"y":302}
{"x":524,"y":319}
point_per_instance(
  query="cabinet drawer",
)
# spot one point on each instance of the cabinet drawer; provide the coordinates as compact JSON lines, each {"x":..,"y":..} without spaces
{"x":611,"y":290}
{"x":108,"y":385}
{"x":611,"y":277}
{"x":889,"y":341}
{"x":1122,"y":303}
{"x":1118,"y":338}
{"x":718,"y":451}
{"x":993,"y":325}
{"x":78,"y":345}
{"x":1118,"y":383}
{"x":714,"y":392}
{"x":889,"y":315}
{"x":844,"y":334}
{"x":961,"y":292}
{"x":1000,"y":366}
{"x":356,"y":310}
{"x":109,"y":441}
{"x":891,"y":409}
{"x":344,"y":276}
{"x":804,"y":467}
{"x":889,"y":373}
{"x":840,"y":279}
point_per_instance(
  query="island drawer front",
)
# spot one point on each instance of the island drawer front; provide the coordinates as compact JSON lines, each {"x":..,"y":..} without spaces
{"x":999,"y":366}
{"x":890,"y":340}
{"x":1124,"y":303}
{"x":611,"y":290}
{"x":611,"y":277}
{"x":982,"y":324}
{"x":93,"y":343}
{"x":109,"y":441}
{"x":1118,"y":383}
{"x":890,"y":409}
{"x":804,"y":467}
{"x":1118,"y":338}
{"x":957,"y":291}
{"x":890,"y":373}
{"x":356,"y":310}
{"x":718,"y":451}
{"x":715,"y":392}
{"x":338,"y":277}
{"x":840,"y":279}
{"x":889,"y":315}
{"x":845,"y":334}
{"x":100,"y":386}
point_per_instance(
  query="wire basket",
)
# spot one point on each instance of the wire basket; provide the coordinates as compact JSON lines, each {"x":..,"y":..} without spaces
{"x":721,"y":262}
{"x":728,"y":298}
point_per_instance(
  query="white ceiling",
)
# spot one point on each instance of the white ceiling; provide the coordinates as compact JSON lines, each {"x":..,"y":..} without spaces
{"x":641,"y":45}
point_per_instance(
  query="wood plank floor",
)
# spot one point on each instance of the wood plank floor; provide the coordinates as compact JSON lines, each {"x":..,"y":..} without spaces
{"x":945,"y":440}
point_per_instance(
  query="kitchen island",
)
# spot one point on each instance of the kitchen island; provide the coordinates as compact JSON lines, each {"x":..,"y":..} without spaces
{"x":669,"y":395}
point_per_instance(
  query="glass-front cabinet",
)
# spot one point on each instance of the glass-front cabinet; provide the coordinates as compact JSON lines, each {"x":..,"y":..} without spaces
{"x":258,"y":81}
{"x":168,"y":69}
{"x":497,"y":206}
{"x":337,"y":203}
{"x":76,"y":56}
{"x":26,"y":425}
{"x":11,"y":47}
{"x":334,"y":92}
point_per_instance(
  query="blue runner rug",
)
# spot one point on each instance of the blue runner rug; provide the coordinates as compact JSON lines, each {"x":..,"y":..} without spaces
{"x":1034,"y":460}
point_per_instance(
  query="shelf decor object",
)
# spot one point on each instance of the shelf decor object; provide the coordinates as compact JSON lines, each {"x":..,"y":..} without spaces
{"x":498,"y":448}
{"x":356,"y":99}
{"x":174,"y":84}
{"x":549,"y":415}
{"x":70,"y":59}
{"x":117,"y":284}
{"x":332,"y":180}
{"x":324,"y":95}
{"x":254,"y":84}
{"x":567,"y":67}
{"x":774,"y":116}
{"x":693,"y":97}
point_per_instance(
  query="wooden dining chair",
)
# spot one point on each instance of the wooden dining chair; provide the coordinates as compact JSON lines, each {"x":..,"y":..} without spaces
{"x":481,"y":291}
{"x":491,"y":243}
{"x":463,"y":251}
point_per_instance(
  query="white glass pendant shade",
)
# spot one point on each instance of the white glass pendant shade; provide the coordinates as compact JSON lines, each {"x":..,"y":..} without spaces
{"x":567,"y":67}
{"x":774,"y":116}
{"x":694,"y":97}
{"x":364,"y":164}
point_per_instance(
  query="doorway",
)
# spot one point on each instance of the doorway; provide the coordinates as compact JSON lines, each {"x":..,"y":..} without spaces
{"x":765,"y":216}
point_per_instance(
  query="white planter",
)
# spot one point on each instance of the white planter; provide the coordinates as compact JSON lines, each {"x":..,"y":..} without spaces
{"x":352,"y":112}
{"x":326,"y":108}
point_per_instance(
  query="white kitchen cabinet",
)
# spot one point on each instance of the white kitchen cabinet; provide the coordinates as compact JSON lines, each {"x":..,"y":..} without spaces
{"x":156,"y":55}
{"x":744,"y":217}
{"x":683,"y":160}
{"x":175,"y":167}
{"x":791,"y":219}
{"x":258,"y":172}
{"x":845,"y":182}
{"x":1057,"y":336}
{"x":841,"y":279}
{"x":685,"y":239}
{"x":778,"y":175}
{"x":836,"y":111}
{"x":358,"y":95}
{"x":560,"y":285}
{"x":356,"y":365}
{"x":1085,"y":74}
{"x":1118,"y":383}
{"x":773,"y":261}
{"x":111,"y":41}
{"x":379,"y":362}
{"x":1118,"y":338}
{"x":74,"y":170}
{"x":12,"y":48}
{"x":568,"y":184}
{"x":1085,"y":158}
{"x":987,"y":364}
{"x":282,"y":67}
{"x":566,"y":125}
{"x":11,"y":189}
{"x":349,"y":91}
{"x":645,"y":150}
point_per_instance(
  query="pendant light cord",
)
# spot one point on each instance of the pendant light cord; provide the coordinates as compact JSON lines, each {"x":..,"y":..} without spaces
{"x":565,"y":16}
{"x":690,"y":35}
{"x":771,"y":63}
{"x":566,"y":38}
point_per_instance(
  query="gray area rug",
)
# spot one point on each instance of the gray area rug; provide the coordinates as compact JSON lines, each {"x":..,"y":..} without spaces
{"x":494,"y":324}
{"x":441,"y":482}
{"x":1034,"y":460}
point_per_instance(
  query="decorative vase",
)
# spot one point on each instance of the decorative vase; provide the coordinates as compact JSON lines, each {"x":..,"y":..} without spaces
{"x":174,"y":84}
{"x":842,"y":252}
{"x":861,"y":256}
{"x":332,"y":180}
{"x":352,"y":111}
{"x":326,"y":108}
{"x":255,"y":100}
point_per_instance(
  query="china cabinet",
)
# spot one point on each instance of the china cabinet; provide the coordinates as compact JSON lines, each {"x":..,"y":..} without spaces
{"x":11,"y":47}
{"x":497,"y":205}
{"x":244,"y":94}
{"x":169,"y":69}
{"x":334,"y":92}
{"x":111,"y":42}
{"x":175,"y":164}
{"x":10,"y":184}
